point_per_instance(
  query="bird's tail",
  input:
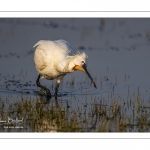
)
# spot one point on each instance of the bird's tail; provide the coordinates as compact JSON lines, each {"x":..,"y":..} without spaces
{"x":41,"y":42}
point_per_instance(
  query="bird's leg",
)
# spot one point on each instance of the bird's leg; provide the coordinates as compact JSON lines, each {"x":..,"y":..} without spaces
{"x":57,"y":86}
{"x":56,"y":90}
{"x":43,"y":87}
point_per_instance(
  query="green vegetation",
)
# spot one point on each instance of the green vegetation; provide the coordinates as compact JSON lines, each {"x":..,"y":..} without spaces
{"x":41,"y":115}
{"x":82,"y":110}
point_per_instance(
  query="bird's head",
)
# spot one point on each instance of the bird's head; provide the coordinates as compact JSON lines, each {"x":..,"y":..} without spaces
{"x":78,"y":63}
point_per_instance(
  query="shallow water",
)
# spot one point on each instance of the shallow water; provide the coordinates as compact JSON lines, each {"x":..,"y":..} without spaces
{"x":118,"y":59}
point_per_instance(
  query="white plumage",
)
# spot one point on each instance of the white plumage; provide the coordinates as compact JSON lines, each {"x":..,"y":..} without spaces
{"x":52,"y":61}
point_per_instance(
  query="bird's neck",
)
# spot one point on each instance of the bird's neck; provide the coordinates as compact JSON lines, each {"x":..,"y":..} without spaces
{"x":65,"y":65}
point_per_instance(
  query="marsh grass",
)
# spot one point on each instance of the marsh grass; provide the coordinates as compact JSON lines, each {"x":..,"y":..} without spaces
{"x":40,"y":115}
{"x":75,"y":113}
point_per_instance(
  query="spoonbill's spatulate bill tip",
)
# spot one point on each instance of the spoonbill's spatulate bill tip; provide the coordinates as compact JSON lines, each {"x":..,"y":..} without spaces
{"x":94,"y":84}
{"x":52,"y":61}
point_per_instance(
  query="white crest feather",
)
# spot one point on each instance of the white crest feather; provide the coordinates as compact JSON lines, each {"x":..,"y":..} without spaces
{"x":81,"y":54}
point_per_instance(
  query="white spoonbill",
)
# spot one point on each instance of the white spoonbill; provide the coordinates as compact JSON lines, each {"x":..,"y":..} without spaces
{"x":52,"y":61}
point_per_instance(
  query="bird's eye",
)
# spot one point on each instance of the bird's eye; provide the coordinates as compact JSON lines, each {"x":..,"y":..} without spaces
{"x":82,"y":62}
